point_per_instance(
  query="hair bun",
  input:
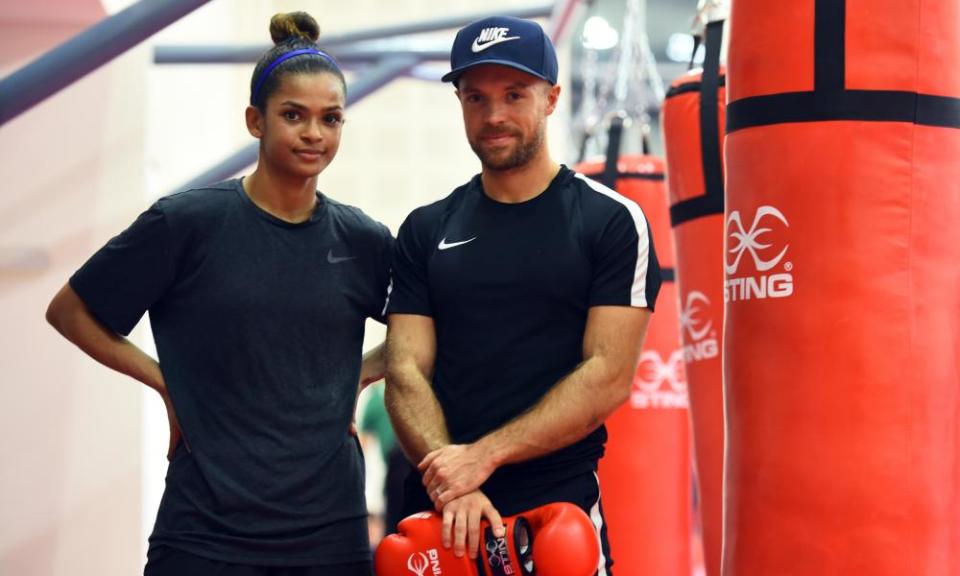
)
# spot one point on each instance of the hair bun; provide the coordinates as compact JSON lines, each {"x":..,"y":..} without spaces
{"x":283,"y":27}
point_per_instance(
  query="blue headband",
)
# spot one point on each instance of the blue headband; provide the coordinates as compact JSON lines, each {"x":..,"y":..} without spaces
{"x":280,"y":60}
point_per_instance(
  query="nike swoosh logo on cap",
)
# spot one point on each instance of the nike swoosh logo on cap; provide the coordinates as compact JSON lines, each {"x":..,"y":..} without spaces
{"x":444,"y":245}
{"x":478,"y":47}
{"x":338,"y":259}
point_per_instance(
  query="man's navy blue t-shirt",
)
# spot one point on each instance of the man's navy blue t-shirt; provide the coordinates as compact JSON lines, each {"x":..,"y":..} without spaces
{"x":509,"y":287}
{"x":259,"y":326}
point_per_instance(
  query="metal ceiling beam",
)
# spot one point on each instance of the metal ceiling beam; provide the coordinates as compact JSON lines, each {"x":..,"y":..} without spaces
{"x":249,"y":53}
{"x":346,"y":57}
{"x":87,"y":51}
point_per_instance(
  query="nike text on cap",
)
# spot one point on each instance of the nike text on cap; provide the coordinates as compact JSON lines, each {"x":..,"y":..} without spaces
{"x":505,"y":41}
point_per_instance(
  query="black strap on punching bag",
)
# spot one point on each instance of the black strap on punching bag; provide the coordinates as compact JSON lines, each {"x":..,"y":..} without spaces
{"x":693,"y":55}
{"x":712,"y":200}
{"x":831,"y":99}
{"x":614,"y":138}
{"x":710,"y":117}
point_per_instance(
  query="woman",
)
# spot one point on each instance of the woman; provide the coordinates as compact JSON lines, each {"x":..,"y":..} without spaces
{"x":258,"y":289}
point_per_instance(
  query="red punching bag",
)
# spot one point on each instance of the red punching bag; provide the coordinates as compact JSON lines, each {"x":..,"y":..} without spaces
{"x":645,"y":473}
{"x":842,"y":333}
{"x":692,"y":117}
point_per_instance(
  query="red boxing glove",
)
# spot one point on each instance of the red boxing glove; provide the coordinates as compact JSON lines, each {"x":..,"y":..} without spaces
{"x":565,"y":541}
{"x":417,"y":550}
{"x":553,"y":540}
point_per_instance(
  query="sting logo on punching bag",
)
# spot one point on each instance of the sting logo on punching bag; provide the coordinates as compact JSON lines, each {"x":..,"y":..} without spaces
{"x":702,"y":337}
{"x":659,"y":384}
{"x":764,"y":254}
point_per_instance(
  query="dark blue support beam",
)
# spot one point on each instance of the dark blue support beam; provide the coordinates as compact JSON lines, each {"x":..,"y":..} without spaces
{"x":360,"y":55}
{"x":205,"y":54}
{"x":372,"y":80}
{"x":86,"y":52}
{"x":346,"y":56}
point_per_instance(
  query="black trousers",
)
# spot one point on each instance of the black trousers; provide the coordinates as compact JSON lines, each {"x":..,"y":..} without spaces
{"x":397,"y":471}
{"x":166,"y":561}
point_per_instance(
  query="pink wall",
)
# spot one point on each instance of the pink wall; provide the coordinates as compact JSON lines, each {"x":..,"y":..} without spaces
{"x":70,"y":483}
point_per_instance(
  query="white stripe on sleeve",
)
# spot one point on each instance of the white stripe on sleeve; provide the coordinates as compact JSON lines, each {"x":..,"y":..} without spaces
{"x":638,"y":292}
{"x":386,"y":300}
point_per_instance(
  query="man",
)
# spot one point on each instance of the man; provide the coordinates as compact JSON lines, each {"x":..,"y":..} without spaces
{"x":518,"y":306}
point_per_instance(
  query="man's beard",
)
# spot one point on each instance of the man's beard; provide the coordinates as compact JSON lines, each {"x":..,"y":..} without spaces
{"x":519,"y":156}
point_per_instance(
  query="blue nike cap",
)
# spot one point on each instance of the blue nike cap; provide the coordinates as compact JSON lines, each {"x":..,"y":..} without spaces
{"x":505,"y":41}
